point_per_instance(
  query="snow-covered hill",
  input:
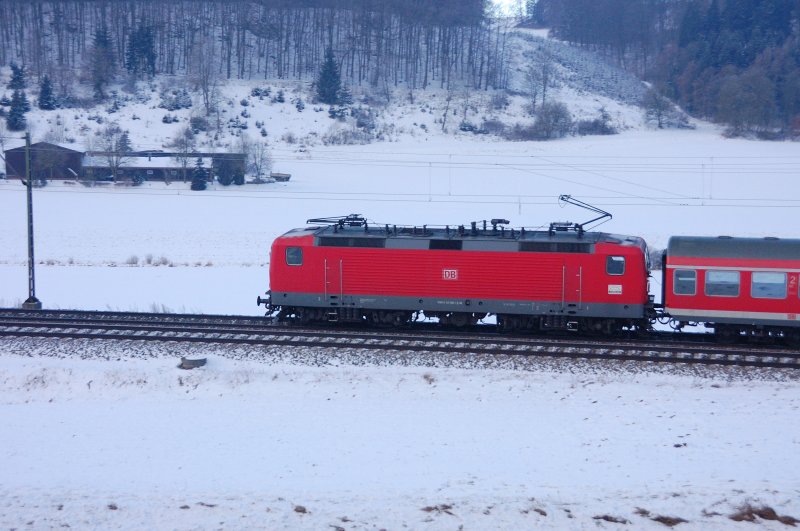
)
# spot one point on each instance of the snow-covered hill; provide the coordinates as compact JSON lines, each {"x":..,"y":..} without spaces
{"x":282,"y":113}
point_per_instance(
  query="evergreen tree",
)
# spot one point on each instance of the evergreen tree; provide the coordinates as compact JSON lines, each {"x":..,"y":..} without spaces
{"x":199,"y":176}
{"x":345,"y":96}
{"x":329,"y":82}
{"x":17,"y":77}
{"x":47,"y":101}
{"x":16,"y":115}
{"x":123,"y":144}
{"x":140,"y":57}
{"x":101,"y":63}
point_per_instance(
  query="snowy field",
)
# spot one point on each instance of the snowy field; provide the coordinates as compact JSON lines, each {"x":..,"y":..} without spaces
{"x":111,"y":438}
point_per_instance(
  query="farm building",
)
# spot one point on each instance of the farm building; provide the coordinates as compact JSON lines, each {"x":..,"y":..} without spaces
{"x":51,"y":161}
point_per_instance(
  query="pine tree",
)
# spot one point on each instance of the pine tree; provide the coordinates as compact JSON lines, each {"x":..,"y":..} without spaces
{"x":140,"y":57}
{"x":329,"y":82}
{"x":101,"y":63}
{"x":199,"y":176}
{"x":47,"y":101}
{"x":16,"y":115}
{"x":123,"y":144}
{"x":17,"y":77}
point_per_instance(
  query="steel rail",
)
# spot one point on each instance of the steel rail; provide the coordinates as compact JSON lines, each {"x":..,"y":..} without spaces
{"x":192,"y":331}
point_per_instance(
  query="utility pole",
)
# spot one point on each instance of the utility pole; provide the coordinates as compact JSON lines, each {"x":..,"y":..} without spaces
{"x":32,"y":303}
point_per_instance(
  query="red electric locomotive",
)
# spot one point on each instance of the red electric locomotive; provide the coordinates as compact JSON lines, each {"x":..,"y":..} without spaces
{"x":737,"y":286}
{"x":347,"y":270}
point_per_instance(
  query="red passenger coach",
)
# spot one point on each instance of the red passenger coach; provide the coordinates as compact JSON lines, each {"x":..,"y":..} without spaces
{"x":348,"y":270}
{"x":737,"y":286}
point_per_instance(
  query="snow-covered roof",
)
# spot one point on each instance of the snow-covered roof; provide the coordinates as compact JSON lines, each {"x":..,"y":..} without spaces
{"x":145,"y":162}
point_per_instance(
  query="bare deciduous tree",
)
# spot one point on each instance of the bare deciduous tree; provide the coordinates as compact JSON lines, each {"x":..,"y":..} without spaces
{"x":260,"y":160}
{"x":116,"y":146}
{"x":184,"y":145}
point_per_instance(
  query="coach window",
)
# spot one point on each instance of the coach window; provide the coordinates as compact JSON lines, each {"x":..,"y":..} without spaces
{"x":768,"y":285}
{"x":722,"y":283}
{"x":615,"y":265}
{"x":294,"y":256}
{"x":684,"y":282}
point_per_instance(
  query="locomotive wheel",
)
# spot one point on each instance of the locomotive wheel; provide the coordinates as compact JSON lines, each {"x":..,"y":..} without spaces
{"x":303,"y":316}
{"x":459,"y":320}
{"x":398,"y":319}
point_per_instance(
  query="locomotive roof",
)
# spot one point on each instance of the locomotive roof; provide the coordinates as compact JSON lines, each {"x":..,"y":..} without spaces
{"x":461,"y":237}
{"x":731,"y":247}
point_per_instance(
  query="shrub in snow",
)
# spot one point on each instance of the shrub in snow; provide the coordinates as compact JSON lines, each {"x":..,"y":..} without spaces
{"x":299,"y":105}
{"x":279,"y":98}
{"x":244,"y":102}
{"x":174,"y":100}
{"x":199,"y":123}
{"x":347,"y":137}
{"x":552,"y":121}
{"x":365,"y":118}
{"x":467,"y":127}
{"x":493,"y":127}
{"x":599,"y":126}
{"x":337,"y":113}
{"x":258,"y":92}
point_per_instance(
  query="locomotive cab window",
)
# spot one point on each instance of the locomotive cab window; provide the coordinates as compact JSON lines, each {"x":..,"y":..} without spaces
{"x":722,"y":283}
{"x":615,"y":265}
{"x":684,"y":282}
{"x":294,"y":256}
{"x":768,"y":285}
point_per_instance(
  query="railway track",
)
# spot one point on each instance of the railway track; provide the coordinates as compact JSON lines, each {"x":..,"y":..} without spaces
{"x":255,"y":331}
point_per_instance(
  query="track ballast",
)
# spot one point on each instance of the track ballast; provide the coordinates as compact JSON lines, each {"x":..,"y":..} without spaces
{"x":257,"y":331}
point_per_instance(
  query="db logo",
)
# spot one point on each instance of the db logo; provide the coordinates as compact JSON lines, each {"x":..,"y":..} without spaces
{"x":449,"y":274}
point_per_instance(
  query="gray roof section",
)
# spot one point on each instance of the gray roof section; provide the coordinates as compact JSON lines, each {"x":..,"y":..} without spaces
{"x":730,"y":247}
{"x":441,"y":233}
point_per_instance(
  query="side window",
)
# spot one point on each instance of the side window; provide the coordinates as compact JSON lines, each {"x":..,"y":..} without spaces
{"x":615,"y":265}
{"x":294,"y":256}
{"x":768,"y":285}
{"x":684,"y":282}
{"x":722,"y":283}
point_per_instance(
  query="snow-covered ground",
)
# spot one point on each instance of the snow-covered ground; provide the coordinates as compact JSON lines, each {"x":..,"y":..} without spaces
{"x":260,"y":440}
{"x":109,"y":437}
{"x":124,"y":248}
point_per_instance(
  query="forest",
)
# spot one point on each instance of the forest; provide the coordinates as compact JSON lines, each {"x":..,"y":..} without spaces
{"x":383,"y":43}
{"x":736,"y":62}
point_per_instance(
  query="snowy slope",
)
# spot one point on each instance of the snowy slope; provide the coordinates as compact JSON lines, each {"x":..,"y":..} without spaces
{"x":580,"y":81}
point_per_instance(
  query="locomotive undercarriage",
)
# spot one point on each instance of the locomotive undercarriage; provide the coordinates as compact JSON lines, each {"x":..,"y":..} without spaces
{"x":505,"y":322}
{"x":569,"y":323}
